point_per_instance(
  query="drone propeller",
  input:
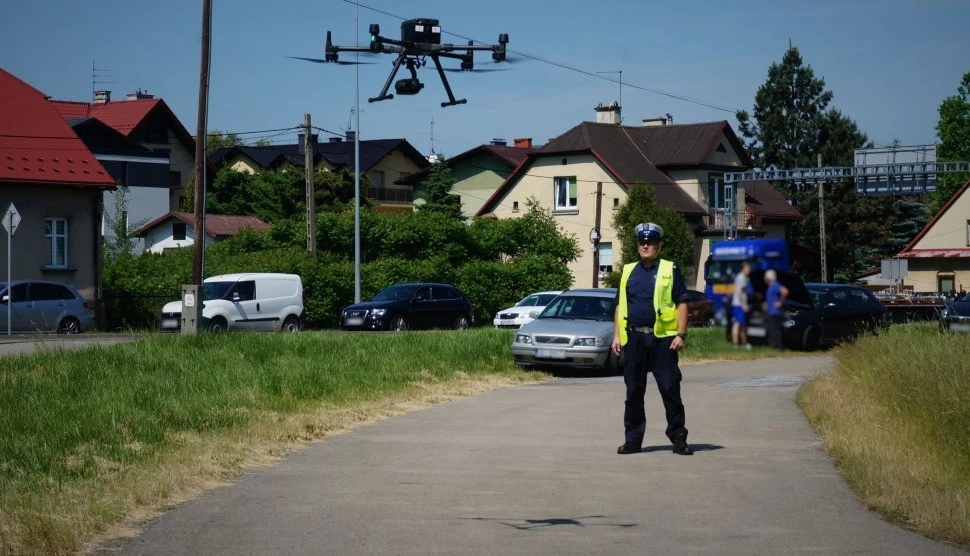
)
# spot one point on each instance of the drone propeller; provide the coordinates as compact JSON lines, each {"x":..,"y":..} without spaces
{"x":473,"y":70}
{"x":322,"y":61}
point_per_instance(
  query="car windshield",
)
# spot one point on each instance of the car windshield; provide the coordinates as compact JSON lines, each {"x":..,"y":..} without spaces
{"x":723,"y":272}
{"x":536,"y":300}
{"x":401,"y":292}
{"x":216,"y":290}
{"x":572,"y":307}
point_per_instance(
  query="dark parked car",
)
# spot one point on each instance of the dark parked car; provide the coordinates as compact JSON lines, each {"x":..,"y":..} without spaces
{"x":700,"y":309}
{"x":43,"y":306}
{"x":818,"y":314}
{"x":956,"y":315}
{"x":410,"y":306}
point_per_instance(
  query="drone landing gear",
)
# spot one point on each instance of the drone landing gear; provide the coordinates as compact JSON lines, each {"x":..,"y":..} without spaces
{"x":444,"y":81}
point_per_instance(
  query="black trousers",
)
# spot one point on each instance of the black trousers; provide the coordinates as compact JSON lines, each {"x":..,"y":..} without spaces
{"x":646,"y":353}
{"x":773,"y":323}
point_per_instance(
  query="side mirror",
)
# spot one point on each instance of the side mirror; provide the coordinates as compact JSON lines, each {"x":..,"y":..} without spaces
{"x":5,"y":298}
{"x":235,"y":296}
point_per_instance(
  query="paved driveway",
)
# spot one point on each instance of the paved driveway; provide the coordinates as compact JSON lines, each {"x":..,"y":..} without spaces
{"x":23,"y":344}
{"x":533,"y":470}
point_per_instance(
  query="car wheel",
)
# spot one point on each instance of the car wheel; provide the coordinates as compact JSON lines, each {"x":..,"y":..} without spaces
{"x":69,"y":325}
{"x":461,"y":323}
{"x":399,"y":324}
{"x":811,"y":338}
{"x":291,"y":324}
{"x":217,"y":325}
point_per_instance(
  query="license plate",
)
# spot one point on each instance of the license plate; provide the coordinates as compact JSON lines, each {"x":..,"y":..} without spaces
{"x":550,"y":354}
{"x":354,"y":321}
{"x":170,"y":323}
{"x":757,"y":332}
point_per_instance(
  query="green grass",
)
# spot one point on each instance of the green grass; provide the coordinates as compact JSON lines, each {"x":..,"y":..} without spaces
{"x":895,"y":414}
{"x":91,"y":438}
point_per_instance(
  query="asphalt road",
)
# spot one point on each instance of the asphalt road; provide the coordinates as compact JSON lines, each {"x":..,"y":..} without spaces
{"x":24,"y":344}
{"x":534,"y":470}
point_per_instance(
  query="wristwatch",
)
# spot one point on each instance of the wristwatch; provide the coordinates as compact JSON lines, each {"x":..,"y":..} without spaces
{"x":682,"y":335}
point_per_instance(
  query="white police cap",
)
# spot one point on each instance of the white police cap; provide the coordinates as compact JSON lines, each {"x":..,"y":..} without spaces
{"x":649,"y":230}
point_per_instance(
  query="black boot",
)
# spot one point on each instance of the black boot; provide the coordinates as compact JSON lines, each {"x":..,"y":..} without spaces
{"x":680,"y":444}
{"x":628,"y":449}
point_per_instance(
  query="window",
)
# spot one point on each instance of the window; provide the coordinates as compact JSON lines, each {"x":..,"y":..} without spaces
{"x":968,"y":233}
{"x":377,"y":178}
{"x":55,"y":230}
{"x":515,"y":206}
{"x":616,"y":203}
{"x":178,"y":230}
{"x":246,"y":291}
{"x":716,"y":191}
{"x":566,"y":193}
{"x":606,"y":257}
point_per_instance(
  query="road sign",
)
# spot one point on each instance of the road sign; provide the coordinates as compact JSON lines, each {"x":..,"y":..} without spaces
{"x":11,"y":219}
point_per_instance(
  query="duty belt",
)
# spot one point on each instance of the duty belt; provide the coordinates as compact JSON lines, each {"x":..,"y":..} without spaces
{"x":641,"y":329}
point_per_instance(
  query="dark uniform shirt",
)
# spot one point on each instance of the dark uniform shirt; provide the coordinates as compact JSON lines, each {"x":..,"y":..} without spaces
{"x":639,"y":293}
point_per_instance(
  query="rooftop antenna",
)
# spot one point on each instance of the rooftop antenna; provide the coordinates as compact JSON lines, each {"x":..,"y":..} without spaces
{"x":433,"y":154}
{"x":99,"y":76}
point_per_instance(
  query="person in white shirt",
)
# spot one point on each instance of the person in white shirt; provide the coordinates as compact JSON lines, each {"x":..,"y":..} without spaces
{"x":739,"y":307}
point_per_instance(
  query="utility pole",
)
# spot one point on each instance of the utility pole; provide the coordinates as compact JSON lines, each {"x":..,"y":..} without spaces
{"x":595,"y":235}
{"x":311,"y":198}
{"x":191,"y":298}
{"x":821,"y":223}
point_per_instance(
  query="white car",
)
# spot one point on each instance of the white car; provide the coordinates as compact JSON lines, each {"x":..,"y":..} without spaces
{"x":246,"y":301}
{"x":524,"y":311}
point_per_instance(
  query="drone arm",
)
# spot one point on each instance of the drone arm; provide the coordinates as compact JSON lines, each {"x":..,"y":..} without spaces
{"x":444,"y":81}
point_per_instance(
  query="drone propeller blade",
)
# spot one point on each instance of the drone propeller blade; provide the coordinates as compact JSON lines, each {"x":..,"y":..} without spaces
{"x":473,"y":70}
{"x":340,"y":62}
{"x":512,"y":60}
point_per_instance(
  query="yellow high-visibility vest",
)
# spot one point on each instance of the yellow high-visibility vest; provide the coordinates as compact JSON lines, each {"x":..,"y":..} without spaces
{"x":663,"y":302}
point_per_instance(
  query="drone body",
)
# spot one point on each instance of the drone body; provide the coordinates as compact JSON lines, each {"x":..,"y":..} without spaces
{"x":420,"y":40}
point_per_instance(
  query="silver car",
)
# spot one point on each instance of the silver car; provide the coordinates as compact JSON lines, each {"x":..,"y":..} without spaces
{"x":43,"y":306}
{"x":574,"y":331}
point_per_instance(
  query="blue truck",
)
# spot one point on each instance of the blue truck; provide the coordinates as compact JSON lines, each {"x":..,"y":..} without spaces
{"x":725,"y":262}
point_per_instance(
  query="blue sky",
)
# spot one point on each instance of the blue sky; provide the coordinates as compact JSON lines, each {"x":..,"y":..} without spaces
{"x":889,"y":63}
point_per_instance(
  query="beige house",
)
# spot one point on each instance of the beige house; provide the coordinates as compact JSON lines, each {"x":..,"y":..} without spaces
{"x":938,"y":258}
{"x":684,"y":164}
{"x":478,"y":172}
{"x":147,"y":121}
{"x":383,"y":161}
{"x":55,"y":184}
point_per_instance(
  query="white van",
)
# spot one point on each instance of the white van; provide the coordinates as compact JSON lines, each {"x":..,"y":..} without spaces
{"x":246,"y":301}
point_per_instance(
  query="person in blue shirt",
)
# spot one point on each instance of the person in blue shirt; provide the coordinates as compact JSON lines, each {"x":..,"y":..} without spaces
{"x":774,"y":298}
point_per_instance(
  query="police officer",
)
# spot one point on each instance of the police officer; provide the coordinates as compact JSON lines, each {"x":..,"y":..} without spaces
{"x":650,"y":327}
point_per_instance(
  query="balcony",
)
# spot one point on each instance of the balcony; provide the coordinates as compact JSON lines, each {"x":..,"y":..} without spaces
{"x":719,"y":219}
{"x":392,"y":194}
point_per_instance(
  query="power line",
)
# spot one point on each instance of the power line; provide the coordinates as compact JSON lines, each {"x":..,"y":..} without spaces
{"x":571,"y":68}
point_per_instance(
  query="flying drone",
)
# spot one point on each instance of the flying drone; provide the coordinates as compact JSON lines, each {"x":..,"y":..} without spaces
{"x":420,"y":40}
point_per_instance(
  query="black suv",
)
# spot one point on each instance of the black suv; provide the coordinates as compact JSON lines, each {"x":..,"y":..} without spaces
{"x":410,"y":306}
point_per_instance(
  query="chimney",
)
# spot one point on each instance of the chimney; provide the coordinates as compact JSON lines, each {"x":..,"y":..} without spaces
{"x":351,"y":135}
{"x":140,"y":95}
{"x":655,"y":122}
{"x":670,"y":118}
{"x":608,"y":114}
{"x":336,"y":139}
{"x":301,"y":137}
{"x":498,"y":141}
{"x":102,"y":97}
{"x":522,"y":142}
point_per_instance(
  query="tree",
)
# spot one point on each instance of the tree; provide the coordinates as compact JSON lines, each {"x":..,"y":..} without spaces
{"x":436,"y":192}
{"x":953,"y":130}
{"x":641,"y":206}
{"x":216,"y":139}
{"x":787,"y":110}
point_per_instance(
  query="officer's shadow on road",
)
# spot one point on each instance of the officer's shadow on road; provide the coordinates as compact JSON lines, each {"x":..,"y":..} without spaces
{"x":669,"y":448}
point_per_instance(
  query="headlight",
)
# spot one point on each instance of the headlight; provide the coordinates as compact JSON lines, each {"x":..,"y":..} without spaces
{"x":788,"y":323}
{"x":523,"y":339}
{"x":534,"y":314}
{"x":588,"y":342}
{"x":945,"y":313}
{"x":378,"y":312}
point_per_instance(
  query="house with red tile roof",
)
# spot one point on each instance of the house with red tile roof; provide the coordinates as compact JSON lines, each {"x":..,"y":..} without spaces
{"x":478,"y":172}
{"x":938,"y":258}
{"x":55,"y":183}
{"x":177,"y":229}
{"x":684,"y":164}
{"x":147,"y":121}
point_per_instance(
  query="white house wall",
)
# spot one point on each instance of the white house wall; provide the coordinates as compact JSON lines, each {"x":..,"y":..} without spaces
{"x":144,"y":205}
{"x":161,"y":238}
